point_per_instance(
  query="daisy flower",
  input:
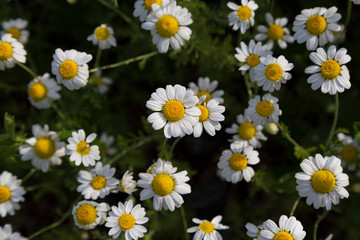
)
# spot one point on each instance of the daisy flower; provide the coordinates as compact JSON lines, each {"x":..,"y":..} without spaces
{"x":207,"y":87}
{"x":11,"y":193}
{"x":322,"y":181}
{"x":275,"y":32}
{"x":17,"y":29}
{"x":207,"y":229}
{"x":164,"y":186}
{"x":250,"y":56}
{"x":43,"y":149}
{"x":289,"y":228}
{"x":127,"y":184}
{"x":70,"y":68}
{"x":168,"y":25}
{"x":242,"y":16}
{"x":143,"y":7}
{"x":175,"y":109}
{"x":356,"y":2}
{"x":315,"y":25}
{"x":271,"y":72}
{"x":329,"y":73}
{"x":253,"y":231}
{"x":6,"y":233}
{"x":263,"y":110}
{"x":11,"y":51}
{"x":108,"y":141}
{"x":80,"y":150}
{"x":88,"y":214}
{"x":103,"y":36}
{"x":127,"y":218}
{"x":349,"y":150}
{"x":102,"y":83}
{"x":339,"y":36}
{"x":42,"y":90}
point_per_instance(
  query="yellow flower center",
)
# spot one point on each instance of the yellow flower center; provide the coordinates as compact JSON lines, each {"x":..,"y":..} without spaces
{"x":167,"y":26}
{"x":316,"y":25}
{"x":275,"y":32}
{"x":6,"y":51}
{"x":330,"y":69}
{"x":163,"y":184}
{"x":206,"y":93}
{"x":126,"y":221}
{"x":349,"y":153}
{"x":253,"y":60}
{"x":238,"y":162}
{"x":83,"y":148}
{"x":149,"y":170}
{"x":15,"y":32}
{"x":5,"y":194}
{"x":98,"y":80}
{"x":264,"y":108}
{"x":102,"y":33}
{"x":207,"y":227}
{"x":204,"y":113}
{"x":273,"y":72}
{"x":98,"y":182}
{"x":44,"y":148}
{"x":323,"y":181}
{"x":37,"y":91}
{"x":86,"y":214}
{"x":244,"y":13}
{"x":149,"y":3}
{"x":246,"y":131}
{"x":68,"y":69}
{"x":173,"y":110}
{"x":283,"y":235}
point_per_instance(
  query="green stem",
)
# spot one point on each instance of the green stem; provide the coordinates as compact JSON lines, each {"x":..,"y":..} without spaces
{"x":248,"y":87}
{"x":336,"y":114}
{"x":27,"y":69}
{"x":98,"y":56}
{"x":348,"y":14}
{"x":295,"y":206}
{"x":318,"y":220}
{"x":174,"y":144}
{"x":116,"y":10}
{"x":30,"y":173}
{"x":58,"y":111}
{"x":184,"y":222}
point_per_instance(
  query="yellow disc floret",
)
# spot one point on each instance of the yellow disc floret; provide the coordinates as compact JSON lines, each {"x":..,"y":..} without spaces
{"x":330,"y":69}
{"x":206,"y":93}
{"x":5,"y":194}
{"x":238,"y":162}
{"x":283,"y":235}
{"x":83,"y":148}
{"x":102,"y":33}
{"x":349,"y":153}
{"x":6,"y":51}
{"x":68,"y":69}
{"x":44,"y":148}
{"x":273,"y":72}
{"x":98,"y":80}
{"x":167,"y":26}
{"x":264,"y":108}
{"x":275,"y":32}
{"x":37,"y":91}
{"x":173,"y":110}
{"x":86,"y":214}
{"x":149,"y":3}
{"x":98,"y":182}
{"x":204,"y":113}
{"x":323,"y":181}
{"x":246,"y":131}
{"x":207,"y":227}
{"x":126,"y":221}
{"x":15,"y":32}
{"x":253,"y":60}
{"x":316,"y":24}
{"x":244,"y":13}
{"x":163,"y":184}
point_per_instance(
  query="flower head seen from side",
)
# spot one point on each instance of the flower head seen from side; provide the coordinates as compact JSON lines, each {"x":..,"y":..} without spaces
{"x":127,"y":184}
{"x":322,"y":181}
{"x":330,"y":72}
{"x":263,"y":109}
{"x":164,"y":185}
{"x":6,"y":233}
{"x":207,"y":229}
{"x":175,"y":110}
{"x":253,"y":231}
{"x":43,"y":149}
{"x":207,"y":87}
{"x":80,"y":150}
{"x":315,"y":25}
{"x":11,"y":193}
{"x":242,"y":16}
{"x":11,"y":51}
{"x":17,"y":29}
{"x":128,"y":218}
{"x":88,"y":214}
{"x":288,"y":229}
{"x":272,"y":72}
{"x":349,"y":150}
{"x":168,"y":25}
{"x":143,"y":7}
{"x":70,"y":68}
{"x":102,"y":83}
{"x":103,"y":36}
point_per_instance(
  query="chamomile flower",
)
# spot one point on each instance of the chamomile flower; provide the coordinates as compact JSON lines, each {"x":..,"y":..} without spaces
{"x":246,"y":133}
{"x":42,"y":91}
{"x":242,"y":16}
{"x":6,"y":233}
{"x":289,"y":228}
{"x":271,"y":72}
{"x":356,"y":2}
{"x":103,"y":36}
{"x":329,"y":73}
{"x":108,"y":140}
{"x":88,"y":214}
{"x":339,"y":36}
{"x":17,"y":29}
{"x":207,"y":229}
{"x":80,"y":150}
{"x":349,"y":150}
{"x":315,"y":25}
{"x":175,"y":110}
{"x":168,"y":25}
{"x":207,"y":87}
{"x":11,"y":193}
{"x":127,"y":184}
{"x":263,"y":109}
{"x":127,"y":218}
{"x":70,"y":68}
{"x":11,"y":51}
{"x":143,"y":7}
{"x":253,"y":231}
{"x":102,"y":83}
{"x":164,"y":186}
{"x":276,"y":32}
{"x":43,"y":149}
{"x":322,"y":181}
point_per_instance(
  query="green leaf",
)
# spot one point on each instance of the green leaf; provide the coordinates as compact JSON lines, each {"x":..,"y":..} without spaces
{"x":9,"y":125}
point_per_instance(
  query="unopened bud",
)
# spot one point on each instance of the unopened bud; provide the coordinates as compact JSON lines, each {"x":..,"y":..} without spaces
{"x":272,"y":128}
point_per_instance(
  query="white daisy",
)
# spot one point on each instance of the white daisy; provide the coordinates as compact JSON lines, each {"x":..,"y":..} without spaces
{"x":80,"y":150}
{"x":127,"y":184}
{"x":315,"y":25}
{"x":253,"y":231}
{"x":322,"y":181}
{"x":271,"y":72}
{"x":289,"y":228}
{"x":329,"y":73}
{"x":143,"y":7}
{"x":70,"y":68}
{"x":175,"y":109}
{"x":164,"y":186}
{"x":43,"y":149}
{"x":207,"y":87}
{"x":207,"y":229}
{"x":168,"y":25}
{"x":11,"y":193}
{"x":246,"y":133}
{"x":108,"y":141}
{"x":17,"y":29}
{"x":235,"y":163}
{"x":349,"y":150}
{"x":242,"y":16}
{"x":127,"y":218}
{"x":11,"y":51}
{"x":88,"y":214}
{"x":339,"y":36}
{"x":275,"y":32}
{"x":103,"y":36}
{"x":356,"y":2}
{"x":263,"y":110}
{"x":102,"y":83}
{"x":6,"y":233}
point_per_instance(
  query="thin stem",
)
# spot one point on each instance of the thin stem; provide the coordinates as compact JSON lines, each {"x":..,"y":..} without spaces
{"x":248,"y":87}
{"x":30,"y":173}
{"x":174,"y":144}
{"x":58,"y":111}
{"x":98,"y":56}
{"x":116,"y":10}
{"x":295,"y":206}
{"x":27,"y":69}
{"x":348,"y":14}
{"x":288,"y":137}
{"x":318,"y":220}
{"x":336,"y":114}
{"x":183,"y":215}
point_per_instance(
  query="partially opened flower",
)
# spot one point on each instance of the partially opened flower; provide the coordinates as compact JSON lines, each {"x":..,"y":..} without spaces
{"x":11,"y":193}
{"x":253,"y":231}
{"x":11,"y":51}
{"x":207,"y":87}
{"x":143,"y":7}
{"x":349,"y":150}
{"x":103,"y":36}
{"x":127,"y":184}
{"x":207,"y":229}
{"x":17,"y":29}
{"x":6,"y":233}
{"x":242,"y":16}
{"x":263,"y":110}
{"x":88,"y":214}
